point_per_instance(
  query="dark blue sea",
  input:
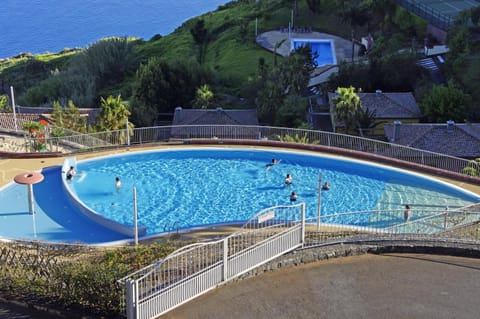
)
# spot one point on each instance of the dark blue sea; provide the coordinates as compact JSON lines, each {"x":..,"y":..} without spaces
{"x":39,"y":26}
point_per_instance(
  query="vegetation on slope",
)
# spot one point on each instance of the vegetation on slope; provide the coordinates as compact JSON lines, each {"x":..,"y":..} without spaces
{"x":218,"y":49}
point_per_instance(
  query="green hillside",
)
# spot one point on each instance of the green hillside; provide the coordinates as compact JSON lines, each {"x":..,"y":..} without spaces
{"x":219,"y":49}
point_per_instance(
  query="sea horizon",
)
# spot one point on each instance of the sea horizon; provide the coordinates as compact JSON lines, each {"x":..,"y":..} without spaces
{"x":43,"y":26}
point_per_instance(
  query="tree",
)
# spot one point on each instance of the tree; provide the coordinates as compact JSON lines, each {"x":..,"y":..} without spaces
{"x":281,"y":87}
{"x":69,"y":117}
{"x":348,"y":107}
{"x":114,"y":114}
{"x":103,"y":64}
{"x":5,"y":103}
{"x":292,"y":111}
{"x":366,"y":120}
{"x":355,"y":13}
{"x":315,"y":5}
{"x":200,"y":36}
{"x":275,"y":48}
{"x":473,"y":168}
{"x":107,"y":61}
{"x":270,"y":96}
{"x":475,"y":16}
{"x":160,"y":86}
{"x":204,"y":96}
{"x":445,"y":103}
{"x":296,"y":70}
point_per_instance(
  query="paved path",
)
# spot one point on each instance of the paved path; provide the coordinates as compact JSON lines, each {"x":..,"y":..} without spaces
{"x":368,"y":286}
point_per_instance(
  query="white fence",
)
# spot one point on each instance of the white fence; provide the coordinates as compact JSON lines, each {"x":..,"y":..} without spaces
{"x":245,"y":133}
{"x":428,"y":223}
{"x":197,"y":268}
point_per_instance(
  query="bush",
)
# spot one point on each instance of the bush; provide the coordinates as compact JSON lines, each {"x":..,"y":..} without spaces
{"x":83,"y":279}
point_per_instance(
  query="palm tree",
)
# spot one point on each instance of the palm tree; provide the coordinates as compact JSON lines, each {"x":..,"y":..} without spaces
{"x":473,"y":168}
{"x":348,"y":106}
{"x":113,"y":116}
{"x":204,"y":96}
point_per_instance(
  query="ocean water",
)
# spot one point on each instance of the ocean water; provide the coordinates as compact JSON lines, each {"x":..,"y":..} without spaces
{"x":39,"y":26}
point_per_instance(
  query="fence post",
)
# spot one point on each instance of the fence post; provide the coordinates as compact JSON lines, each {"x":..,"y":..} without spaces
{"x":14,"y":109}
{"x":135,"y":223}
{"x":225,"y":259}
{"x":445,"y":219}
{"x":130,"y":299}
{"x":319,"y":201}
{"x":303,"y":225}
{"x":127,"y":133}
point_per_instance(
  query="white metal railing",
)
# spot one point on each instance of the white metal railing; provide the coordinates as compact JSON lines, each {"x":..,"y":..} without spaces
{"x":370,"y":224}
{"x":197,"y":268}
{"x":186,"y":133}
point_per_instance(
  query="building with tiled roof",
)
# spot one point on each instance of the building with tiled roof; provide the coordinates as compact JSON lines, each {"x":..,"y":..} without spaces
{"x":388,"y":107}
{"x":395,"y":105}
{"x":219,"y":116}
{"x":459,"y":140}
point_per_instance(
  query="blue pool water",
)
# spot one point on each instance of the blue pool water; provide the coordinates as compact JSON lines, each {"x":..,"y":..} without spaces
{"x":324,"y":48}
{"x":204,"y":186}
{"x":56,"y":219}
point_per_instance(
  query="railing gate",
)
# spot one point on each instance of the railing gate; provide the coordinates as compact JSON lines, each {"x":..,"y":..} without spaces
{"x":195,"y":269}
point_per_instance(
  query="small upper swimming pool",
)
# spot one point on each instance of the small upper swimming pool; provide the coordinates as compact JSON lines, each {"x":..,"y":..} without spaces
{"x":325,"y":50}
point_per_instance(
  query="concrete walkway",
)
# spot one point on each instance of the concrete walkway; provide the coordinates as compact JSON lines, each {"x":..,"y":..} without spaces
{"x":367,"y":286}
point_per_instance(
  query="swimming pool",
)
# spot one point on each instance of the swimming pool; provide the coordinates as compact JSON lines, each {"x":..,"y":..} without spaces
{"x":324,"y":48}
{"x":194,"y":187}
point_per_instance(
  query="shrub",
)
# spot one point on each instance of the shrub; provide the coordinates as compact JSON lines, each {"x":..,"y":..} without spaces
{"x":68,"y":277}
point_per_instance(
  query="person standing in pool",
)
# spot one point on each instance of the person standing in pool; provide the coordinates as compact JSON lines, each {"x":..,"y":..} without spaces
{"x":288,"y":180}
{"x":118,"y":184}
{"x":407,"y":213}
{"x":293,"y":197}
{"x":71,"y":172}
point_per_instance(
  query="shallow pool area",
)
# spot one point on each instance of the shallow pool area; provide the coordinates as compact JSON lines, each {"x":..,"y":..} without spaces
{"x":56,"y":219}
{"x":324,"y":48}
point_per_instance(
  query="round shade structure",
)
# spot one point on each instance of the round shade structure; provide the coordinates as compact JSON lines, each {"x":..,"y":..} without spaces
{"x":29,"y":179}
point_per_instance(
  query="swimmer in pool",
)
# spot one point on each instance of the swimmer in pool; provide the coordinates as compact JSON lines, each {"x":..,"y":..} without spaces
{"x":118,"y":184}
{"x":293,"y":197}
{"x":273,"y":162}
{"x":288,"y":179}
